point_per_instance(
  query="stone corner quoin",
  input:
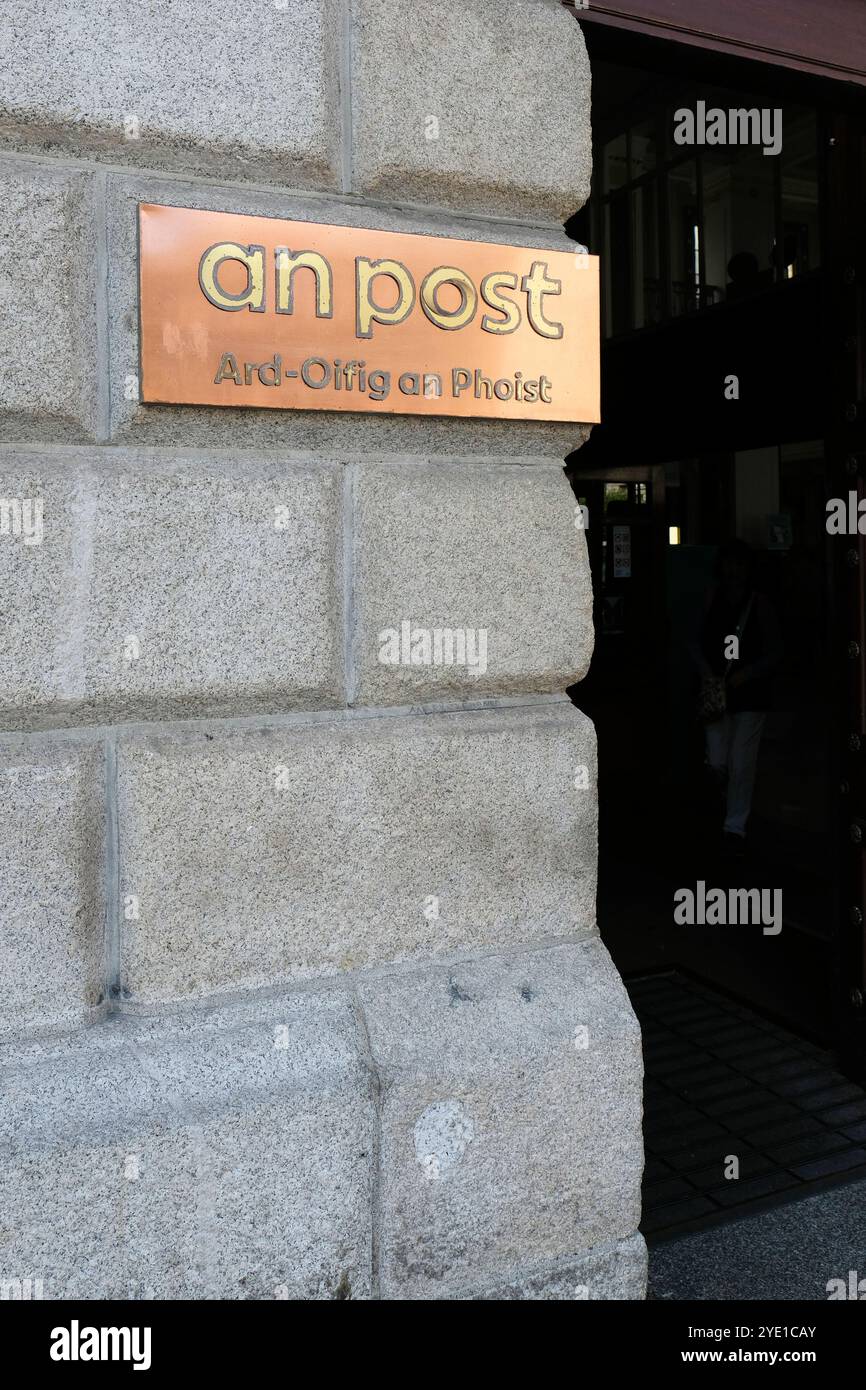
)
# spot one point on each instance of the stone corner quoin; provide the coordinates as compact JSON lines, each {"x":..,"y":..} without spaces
{"x":486,"y":111}
{"x":303,"y":994}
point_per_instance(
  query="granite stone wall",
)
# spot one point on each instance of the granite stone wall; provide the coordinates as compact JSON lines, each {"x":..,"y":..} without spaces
{"x":302,"y":993}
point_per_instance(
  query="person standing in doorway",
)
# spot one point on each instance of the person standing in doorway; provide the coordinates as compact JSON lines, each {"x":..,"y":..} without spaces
{"x":738,"y":649}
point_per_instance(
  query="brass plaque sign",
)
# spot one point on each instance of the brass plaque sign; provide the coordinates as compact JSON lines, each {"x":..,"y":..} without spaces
{"x":257,"y":311}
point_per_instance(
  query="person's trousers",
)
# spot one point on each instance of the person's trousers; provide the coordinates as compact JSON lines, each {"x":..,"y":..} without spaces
{"x":732,"y":750}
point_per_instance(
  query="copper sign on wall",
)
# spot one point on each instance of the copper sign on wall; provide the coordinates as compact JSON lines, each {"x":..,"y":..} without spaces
{"x":257,"y":311}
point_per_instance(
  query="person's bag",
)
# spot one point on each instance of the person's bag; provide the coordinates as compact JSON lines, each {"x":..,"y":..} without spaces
{"x":712,"y":699}
{"x":713,"y":694}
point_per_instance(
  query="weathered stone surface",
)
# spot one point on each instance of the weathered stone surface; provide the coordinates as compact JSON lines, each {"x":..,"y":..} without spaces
{"x":425,"y":107}
{"x":42,"y":584}
{"x":49,"y":364}
{"x":340,"y":843}
{"x":226,"y":1155}
{"x":171,"y":586}
{"x":617,"y":1271}
{"x":177,"y":86}
{"x":487,"y":553}
{"x":51,"y":898}
{"x":510,"y":1112}
{"x":326,"y":431}
{"x":474,"y":1129}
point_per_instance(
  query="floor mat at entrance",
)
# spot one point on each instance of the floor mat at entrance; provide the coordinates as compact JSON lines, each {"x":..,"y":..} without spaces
{"x":722,"y":1084}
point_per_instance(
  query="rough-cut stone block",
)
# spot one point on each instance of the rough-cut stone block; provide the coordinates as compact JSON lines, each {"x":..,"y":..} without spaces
{"x":223,"y":1156}
{"x":171,"y":587}
{"x":51,"y":872}
{"x":477,"y":106}
{"x":171,"y":84}
{"x":469,"y":581}
{"x":316,"y":847}
{"x":617,"y":1271}
{"x":510,"y":1112}
{"x":329,"y":431}
{"x":43,"y":580}
{"x":49,"y":364}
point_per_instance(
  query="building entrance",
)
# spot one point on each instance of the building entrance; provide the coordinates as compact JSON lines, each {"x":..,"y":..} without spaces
{"x":731,"y":871}
{"x":662,"y":810}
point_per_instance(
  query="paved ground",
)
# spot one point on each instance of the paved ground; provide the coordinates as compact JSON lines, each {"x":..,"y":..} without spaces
{"x":790,"y":1252}
{"x":724,"y":1083}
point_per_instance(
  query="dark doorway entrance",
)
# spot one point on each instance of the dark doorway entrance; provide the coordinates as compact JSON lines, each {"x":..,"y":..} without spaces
{"x":660,"y":818}
{"x":732,"y":408}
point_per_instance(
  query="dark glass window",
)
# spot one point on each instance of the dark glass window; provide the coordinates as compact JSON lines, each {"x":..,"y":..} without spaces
{"x":683,"y":227}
